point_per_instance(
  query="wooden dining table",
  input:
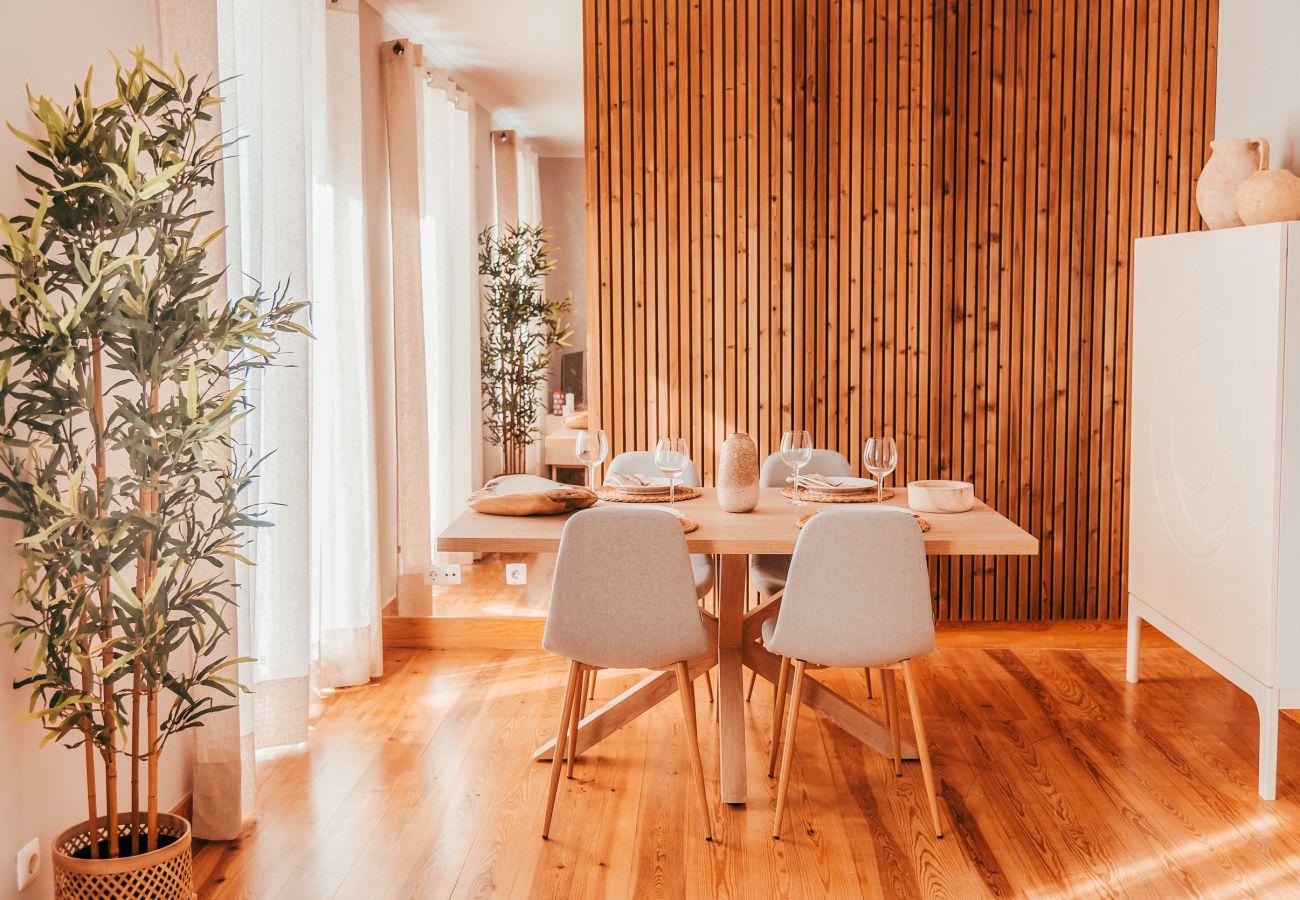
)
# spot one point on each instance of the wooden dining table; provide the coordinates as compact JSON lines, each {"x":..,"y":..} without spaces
{"x":732,"y":537}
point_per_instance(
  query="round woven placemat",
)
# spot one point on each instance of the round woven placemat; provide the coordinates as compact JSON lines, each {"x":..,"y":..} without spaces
{"x":684,"y":492}
{"x":803,"y":520}
{"x":815,"y":496}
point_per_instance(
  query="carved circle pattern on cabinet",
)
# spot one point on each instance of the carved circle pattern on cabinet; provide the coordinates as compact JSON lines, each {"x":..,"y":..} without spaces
{"x":1198,"y":435}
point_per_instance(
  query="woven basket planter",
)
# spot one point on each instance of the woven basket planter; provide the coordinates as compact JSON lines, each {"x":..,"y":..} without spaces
{"x":162,"y":874}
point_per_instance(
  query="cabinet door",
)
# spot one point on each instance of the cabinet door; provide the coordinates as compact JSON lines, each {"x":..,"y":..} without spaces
{"x":1206,"y":352}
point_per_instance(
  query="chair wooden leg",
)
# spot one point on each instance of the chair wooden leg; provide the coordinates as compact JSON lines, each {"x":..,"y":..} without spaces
{"x":592,"y":676}
{"x":684,"y":688}
{"x":566,"y":714}
{"x":753,"y":677}
{"x":922,"y":748}
{"x":871,"y":695}
{"x":708,"y":685}
{"x":890,"y":690}
{"x":792,"y":724}
{"x":575,"y":712}
{"x":778,"y":709}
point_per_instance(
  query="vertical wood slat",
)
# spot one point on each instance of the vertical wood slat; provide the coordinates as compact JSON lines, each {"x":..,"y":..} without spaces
{"x":897,"y":217}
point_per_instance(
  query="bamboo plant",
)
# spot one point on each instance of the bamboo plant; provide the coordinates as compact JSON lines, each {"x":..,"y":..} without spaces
{"x":121,"y":377}
{"x":521,"y":330}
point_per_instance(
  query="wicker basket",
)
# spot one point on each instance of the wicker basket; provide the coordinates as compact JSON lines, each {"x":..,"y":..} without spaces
{"x":163,"y":874}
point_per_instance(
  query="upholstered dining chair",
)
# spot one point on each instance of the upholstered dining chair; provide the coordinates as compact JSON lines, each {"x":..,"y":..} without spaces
{"x":767,"y":571}
{"x":857,"y":596}
{"x":642,"y":462}
{"x":623,"y":597}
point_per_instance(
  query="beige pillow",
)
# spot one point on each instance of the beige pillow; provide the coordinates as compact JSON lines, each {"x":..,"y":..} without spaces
{"x":529,"y":495}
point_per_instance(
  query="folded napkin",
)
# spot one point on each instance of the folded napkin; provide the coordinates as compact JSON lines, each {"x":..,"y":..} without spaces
{"x":629,"y":479}
{"x":528,"y":495}
{"x":815,"y":479}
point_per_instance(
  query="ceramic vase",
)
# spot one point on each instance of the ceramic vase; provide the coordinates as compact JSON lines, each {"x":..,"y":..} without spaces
{"x":1269,"y":195}
{"x":738,"y":474}
{"x":1231,"y":163}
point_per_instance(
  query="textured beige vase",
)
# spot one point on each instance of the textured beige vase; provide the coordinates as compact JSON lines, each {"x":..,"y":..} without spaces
{"x":1230,"y":164}
{"x":738,"y":474}
{"x":1270,"y":195}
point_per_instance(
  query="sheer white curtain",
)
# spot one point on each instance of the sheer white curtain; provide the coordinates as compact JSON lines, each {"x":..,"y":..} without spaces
{"x":530,"y":186}
{"x":309,"y":610}
{"x":436,"y":312}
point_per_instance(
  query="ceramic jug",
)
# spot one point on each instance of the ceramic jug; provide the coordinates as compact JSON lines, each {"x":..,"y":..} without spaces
{"x":1231,"y":163}
{"x":738,"y":474}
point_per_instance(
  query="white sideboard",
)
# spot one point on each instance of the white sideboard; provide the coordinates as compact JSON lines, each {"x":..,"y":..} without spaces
{"x":1214,"y":516}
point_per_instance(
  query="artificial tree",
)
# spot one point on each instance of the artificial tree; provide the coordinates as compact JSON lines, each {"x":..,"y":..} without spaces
{"x":121,"y":377}
{"x":521,"y":329}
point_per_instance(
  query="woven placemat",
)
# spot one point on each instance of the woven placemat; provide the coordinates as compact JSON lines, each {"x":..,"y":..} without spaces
{"x":803,"y":520}
{"x":684,"y":492}
{"x":815,"y":496}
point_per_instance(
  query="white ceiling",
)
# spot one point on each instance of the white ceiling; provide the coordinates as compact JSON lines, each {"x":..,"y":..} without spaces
{"x":521,"y":59}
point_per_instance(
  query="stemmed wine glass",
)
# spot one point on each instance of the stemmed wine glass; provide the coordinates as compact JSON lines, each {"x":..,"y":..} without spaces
{"x":671,"y":456}
{"x":880,"y":457}
{"x":796,"y":452}
{"x":591,"y":449}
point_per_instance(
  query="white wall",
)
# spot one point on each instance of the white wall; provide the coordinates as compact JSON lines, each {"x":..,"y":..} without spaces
{"x":1258,"y":93}
{"x":49,"y":46}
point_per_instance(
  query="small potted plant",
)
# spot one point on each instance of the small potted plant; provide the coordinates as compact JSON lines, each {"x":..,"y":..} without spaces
{"x":521,"y":329}
{"x":121,"y":375}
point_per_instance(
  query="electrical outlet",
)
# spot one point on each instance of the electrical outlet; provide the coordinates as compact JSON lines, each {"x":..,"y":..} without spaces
{"x":29,"y":863}
{"x":516,"y":573}
{"x":448,"y":574}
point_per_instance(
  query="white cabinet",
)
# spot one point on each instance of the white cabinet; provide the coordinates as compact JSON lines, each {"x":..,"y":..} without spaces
{"x":1214,"y":515}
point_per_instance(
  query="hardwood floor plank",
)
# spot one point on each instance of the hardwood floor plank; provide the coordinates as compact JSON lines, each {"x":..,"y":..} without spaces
{"x":1056,"y":778}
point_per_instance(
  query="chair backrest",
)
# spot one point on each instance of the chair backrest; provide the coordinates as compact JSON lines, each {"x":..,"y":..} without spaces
{"x":858,"y":593}
{"x":823,"y":462}
{"x":642,"y":462}
{"x":623,"y":594}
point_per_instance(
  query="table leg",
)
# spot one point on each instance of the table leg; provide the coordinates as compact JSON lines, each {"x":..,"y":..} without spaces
{"x":731,"y":688}
{"x":832,"y":705}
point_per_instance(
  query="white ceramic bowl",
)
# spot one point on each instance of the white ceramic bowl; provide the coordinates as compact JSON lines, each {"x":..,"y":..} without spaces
{"x":940,"y":496}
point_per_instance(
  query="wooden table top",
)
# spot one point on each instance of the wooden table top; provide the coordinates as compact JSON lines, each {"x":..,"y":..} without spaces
{"x":770,"y":528}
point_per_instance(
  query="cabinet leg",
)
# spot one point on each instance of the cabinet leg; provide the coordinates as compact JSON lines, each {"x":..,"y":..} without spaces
{"x":1268,"y":719}
{"x":1134,"y":643}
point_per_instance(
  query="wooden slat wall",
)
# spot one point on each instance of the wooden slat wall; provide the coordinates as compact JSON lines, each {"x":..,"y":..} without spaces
{"x":898,"y":216}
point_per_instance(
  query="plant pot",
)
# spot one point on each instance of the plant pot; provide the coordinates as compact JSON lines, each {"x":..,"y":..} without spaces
{"x":162,"y":874}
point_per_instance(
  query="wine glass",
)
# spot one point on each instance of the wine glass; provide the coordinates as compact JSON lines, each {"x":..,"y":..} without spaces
{"x":591,"y":449}
{"x":671,"y":456}
{"x":880,"y":457}
{"x":796,"y":452}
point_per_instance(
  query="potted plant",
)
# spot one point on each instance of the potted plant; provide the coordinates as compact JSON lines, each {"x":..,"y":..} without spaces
{"x":121,"y":376}
{"x":521,"y":331}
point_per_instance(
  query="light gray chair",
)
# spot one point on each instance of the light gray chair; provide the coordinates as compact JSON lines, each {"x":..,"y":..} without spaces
{"x":642,"y":462}
{"x":623,"y":597}
{"x":858,"y":596}
{"x":767,"y":571}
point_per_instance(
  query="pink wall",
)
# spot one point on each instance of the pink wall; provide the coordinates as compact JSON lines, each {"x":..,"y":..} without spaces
{"x":49,"y":46}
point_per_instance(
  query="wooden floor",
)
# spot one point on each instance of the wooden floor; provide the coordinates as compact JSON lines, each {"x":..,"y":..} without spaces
{"x":1058,"y":780}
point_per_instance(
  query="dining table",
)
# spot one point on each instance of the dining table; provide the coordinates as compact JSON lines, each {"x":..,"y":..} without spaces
{"x":735,"y":626}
